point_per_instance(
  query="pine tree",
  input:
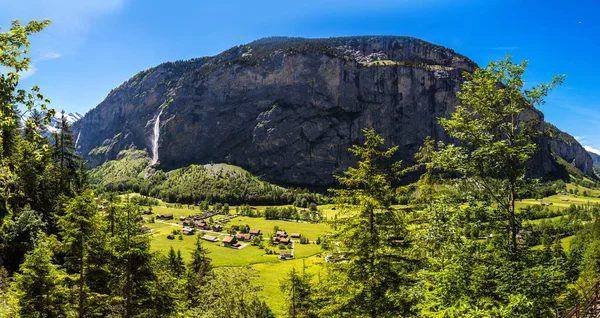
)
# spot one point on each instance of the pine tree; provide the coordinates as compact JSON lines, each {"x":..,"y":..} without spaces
{"x":79,"y":222}
{"x":39,"y":285}
{"x":372,"y":236}
{"x":298,"y":290}
{"x":199,"y":271}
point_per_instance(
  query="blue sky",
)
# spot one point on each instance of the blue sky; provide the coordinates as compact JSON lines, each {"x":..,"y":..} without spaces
{"x":95,"y":45}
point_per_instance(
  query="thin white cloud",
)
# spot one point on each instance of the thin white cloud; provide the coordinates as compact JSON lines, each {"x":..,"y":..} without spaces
{"x":32,"y":70}
{"x":592,"y":149}
{"x":51,"y":55}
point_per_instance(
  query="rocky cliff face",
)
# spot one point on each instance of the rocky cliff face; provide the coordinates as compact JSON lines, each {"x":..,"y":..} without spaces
{"x":288,"y":109}
{"x":595,"y":160}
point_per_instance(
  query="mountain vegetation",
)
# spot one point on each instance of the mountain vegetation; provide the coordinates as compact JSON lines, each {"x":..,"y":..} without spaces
{"x":465,"y":247}
{"x":194,"y":183}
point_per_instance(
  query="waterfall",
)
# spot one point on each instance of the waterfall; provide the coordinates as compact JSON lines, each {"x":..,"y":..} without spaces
{"x":77,"y":140}
{"x":155,"y":136}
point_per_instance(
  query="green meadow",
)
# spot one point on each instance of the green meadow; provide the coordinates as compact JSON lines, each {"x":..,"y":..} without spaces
{"x":270,"y":269}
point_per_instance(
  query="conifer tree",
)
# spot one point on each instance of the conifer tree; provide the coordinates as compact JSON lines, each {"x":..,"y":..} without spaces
{"x":39,"y":285}
{"x":376,"y":280}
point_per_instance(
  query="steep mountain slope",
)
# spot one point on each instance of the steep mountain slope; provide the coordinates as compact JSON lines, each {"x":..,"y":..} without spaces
{"x":287,"y":109}
{"x":595,"y":160}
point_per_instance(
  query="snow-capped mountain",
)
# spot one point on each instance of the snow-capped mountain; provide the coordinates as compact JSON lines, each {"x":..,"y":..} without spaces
{"x":56,"y":120}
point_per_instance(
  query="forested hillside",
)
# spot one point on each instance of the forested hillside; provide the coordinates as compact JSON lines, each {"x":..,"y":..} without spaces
{"x":194,"y":183}
{"x":477,"y":235}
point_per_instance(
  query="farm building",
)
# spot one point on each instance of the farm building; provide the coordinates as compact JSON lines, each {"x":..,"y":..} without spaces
{"x":229,"y":241}
{"x":146,"y":212}
{"x":286,"y":256}
{"x":295,"y":235}
{"x":210,"y":238}
{"x":199,"y":224}
{"x":165,"y":216}
{"x":182,"y":218}
{"x":254,"y":232}
{"x":281,"y":234}
{"x":244,"y":237}
{"x":283,"y":240}
{"x":188,"y":231}
{"x":171,"y":236}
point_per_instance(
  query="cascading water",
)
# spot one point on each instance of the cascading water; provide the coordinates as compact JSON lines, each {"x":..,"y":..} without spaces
{"x":77,"y":140}
{"x":155,"y":136}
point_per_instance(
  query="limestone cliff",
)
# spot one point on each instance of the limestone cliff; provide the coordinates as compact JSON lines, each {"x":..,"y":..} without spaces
{"x":287,"y":109}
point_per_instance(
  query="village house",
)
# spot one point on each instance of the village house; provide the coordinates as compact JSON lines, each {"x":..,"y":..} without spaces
{"x":254,"y":232}
{"x":229,"y":241}
{"x":145,"y":229}
{"x":187,"y":223}
{"x":147,"y":212}
{"x":182,"y":218}
{"x":210,"y":238}
{"x":244,"y":237}
{"x":199,"y":224}
{"x":235,"y":227}
{"x":283,"y":240}
{"x":188,"y":231}
{"x":217,"y":228}
{"x":295,"y":235}
{"x":165,"y":216}
{"x":286,"y":256}
{"x":281,"y":234}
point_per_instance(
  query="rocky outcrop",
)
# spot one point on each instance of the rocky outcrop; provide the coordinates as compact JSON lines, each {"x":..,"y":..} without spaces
{"x":287,"y":109}
{"x":595,"y":160}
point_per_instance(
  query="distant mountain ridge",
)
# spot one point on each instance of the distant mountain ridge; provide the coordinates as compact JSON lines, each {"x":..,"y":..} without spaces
{"x":596,"y":160}
{"x":287,"y":109}
{"x":56,"y":120}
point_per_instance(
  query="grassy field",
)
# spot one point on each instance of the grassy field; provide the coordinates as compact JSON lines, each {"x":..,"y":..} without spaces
{"x":272,"y":274}
{"x":591,"y":192}
{"x":565,"y":242}
{"x":558,"y":201}
{"x":271,"y":269}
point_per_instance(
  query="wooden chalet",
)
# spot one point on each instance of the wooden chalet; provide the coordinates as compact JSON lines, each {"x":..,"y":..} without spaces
{"x":210,"y":238}
{"x":254,"y":232}
{"x":286,"y":256}
{"x":229,"y":241}
{"x":199,"y":224}
{"x":244,"y":237}
{"x":283,"y":240}
{"x":281,"y":234}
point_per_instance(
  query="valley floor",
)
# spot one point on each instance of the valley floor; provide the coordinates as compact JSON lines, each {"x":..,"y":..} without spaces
{"x":270,"y":269}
